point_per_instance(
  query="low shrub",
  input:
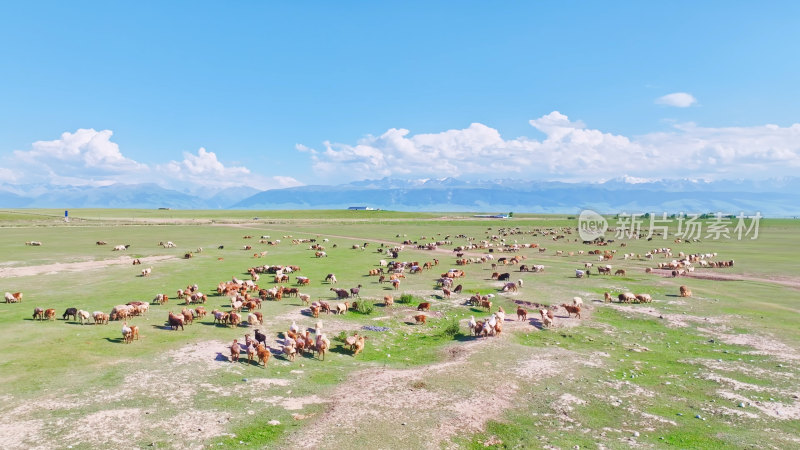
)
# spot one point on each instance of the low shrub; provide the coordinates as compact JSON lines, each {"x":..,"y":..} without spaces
{"x":450,"y":327}
{"x":365,"y":307}
{"x":405,"y":299}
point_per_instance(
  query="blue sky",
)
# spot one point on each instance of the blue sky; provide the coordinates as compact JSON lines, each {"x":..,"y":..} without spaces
{"x":273,"y":94}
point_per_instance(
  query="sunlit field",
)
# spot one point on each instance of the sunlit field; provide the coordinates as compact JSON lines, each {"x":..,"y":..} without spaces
{"x":716,"y":369}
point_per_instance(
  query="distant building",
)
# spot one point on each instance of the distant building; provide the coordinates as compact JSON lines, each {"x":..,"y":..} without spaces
{"x":360,"y":208}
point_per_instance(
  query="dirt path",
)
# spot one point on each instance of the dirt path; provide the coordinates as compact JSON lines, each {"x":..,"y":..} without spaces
{"x":438,"y":250}
{"x":426,"y":406}
{"x":11,"y":272}
{"x":783,"y":281}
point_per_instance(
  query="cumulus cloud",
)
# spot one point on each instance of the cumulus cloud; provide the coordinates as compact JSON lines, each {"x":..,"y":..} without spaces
{"x":283,"y":182}
{"x":206,"y":170}
{"x":86,"y":147}
{"x":90,"y":158}
{"x":677,"y":99}
{"x":8,"y":175}
{"x":569,"y":151}
{"x":85,"y":157}
{"x":204,"y":164}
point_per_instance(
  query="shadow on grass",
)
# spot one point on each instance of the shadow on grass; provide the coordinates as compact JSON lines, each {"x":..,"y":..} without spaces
{"x":307,"y":354}
{"x":284,"y":357}
{"x":537,"y":323}
{"x":460,"y":337}
{"x":242,"y":359}
{"x":114,"y":340}
{"x":222,"y":325}
{"x":340,"y":349}
{"x":164,"y":327}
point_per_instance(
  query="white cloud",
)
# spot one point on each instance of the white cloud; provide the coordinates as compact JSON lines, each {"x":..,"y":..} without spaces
{"x":8,"y":176}
{"x":677,"y":99}
{"x":85,"y":157}
{"x":205,"y":170}
{"x":284,"y":182}
{"x":204,"y":164}
{"x":569,"y":151}
{"x":89,"y":158}
{"x":303,"y":148}
{"x":85,"y":147}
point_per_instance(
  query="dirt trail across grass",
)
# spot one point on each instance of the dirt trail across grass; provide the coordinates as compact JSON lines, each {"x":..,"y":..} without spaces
{"x":27,"y":271}
{"x":425,"y":407}
{"x":783,"y":281}
{"x":439,"y":250}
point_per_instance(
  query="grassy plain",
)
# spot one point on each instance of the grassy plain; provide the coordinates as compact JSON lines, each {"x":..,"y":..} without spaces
{"x":715,"y":370}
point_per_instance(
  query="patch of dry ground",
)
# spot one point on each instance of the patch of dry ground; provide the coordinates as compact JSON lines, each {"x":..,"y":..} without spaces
{"x":745,"y":369}
{"x":761,"y":343}
{"x":791,"y":282}
{"x":49,"y":269}
{"x":716,"y":327}
{"x":772,"y":409}
{"x":438,"y":400}
{"x":672,"y":319}
{"x":172,"y":384}
{"x":424,"y":407}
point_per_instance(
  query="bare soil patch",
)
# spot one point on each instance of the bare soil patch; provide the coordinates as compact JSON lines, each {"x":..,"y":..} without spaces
{"x":11,"y":272}
{"x":737,"y":367}
{"x":717,"y":327}
{"x":775,"y":410}
{"x":19,"y":433}
{"x":165,"y":386}
{"x":791,"y":282}
{"x":763,"y":345}
{"x":424,"y":407}
{"x":672,"y":319}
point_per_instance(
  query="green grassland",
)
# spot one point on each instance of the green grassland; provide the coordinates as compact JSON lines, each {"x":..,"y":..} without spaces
{"x":717,"y":370}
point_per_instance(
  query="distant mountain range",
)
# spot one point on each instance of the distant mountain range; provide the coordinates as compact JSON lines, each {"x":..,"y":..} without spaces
{"x":116,"y":196}
{"x":775,"y":197}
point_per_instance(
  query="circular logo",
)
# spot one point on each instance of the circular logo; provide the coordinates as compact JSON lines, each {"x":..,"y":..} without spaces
{"x":591,"y":225}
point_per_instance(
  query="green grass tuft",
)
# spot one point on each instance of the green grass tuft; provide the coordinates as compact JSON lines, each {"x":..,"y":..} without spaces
{"x":259,"y":433}
{"x":365,"y":307}
{"x":450,"y":327}
{"x":406,"y":299}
